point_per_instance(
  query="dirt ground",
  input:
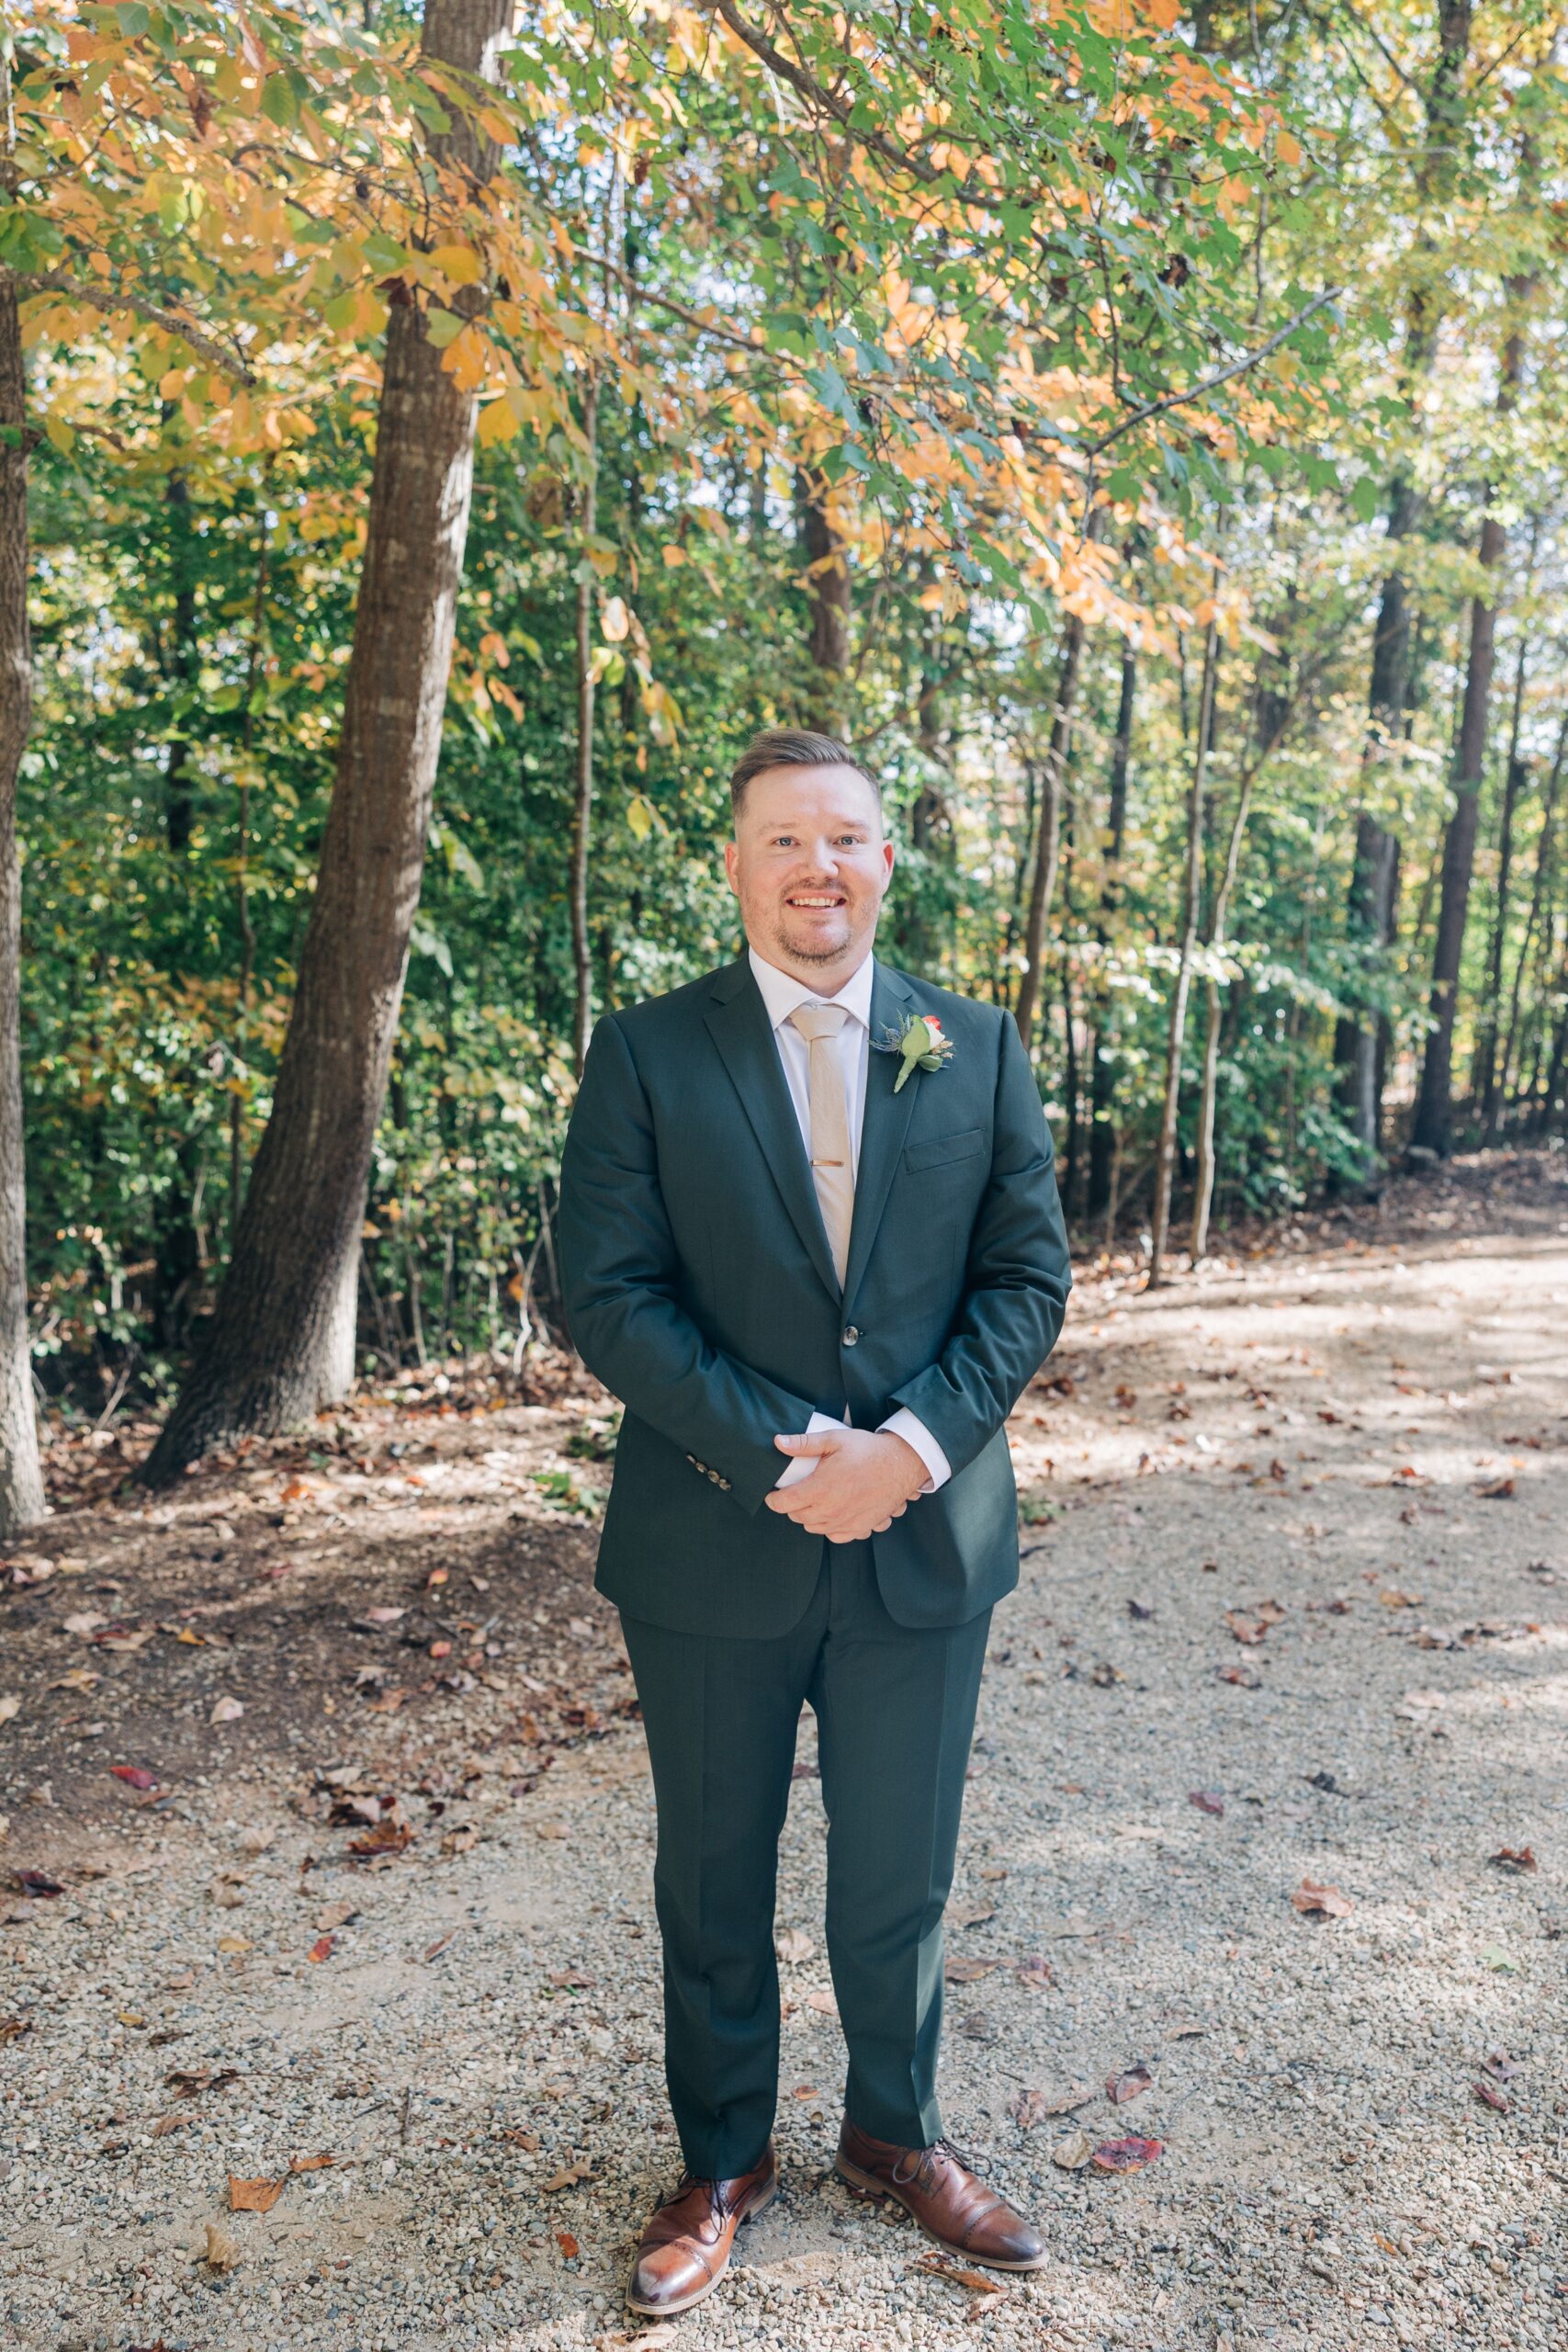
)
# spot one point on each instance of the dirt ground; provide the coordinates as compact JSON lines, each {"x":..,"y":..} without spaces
{"x":328,"y":1844}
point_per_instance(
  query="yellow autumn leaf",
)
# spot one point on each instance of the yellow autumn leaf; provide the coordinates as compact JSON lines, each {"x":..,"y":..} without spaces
{"x":616,"y":621}
{"x":461,"y":264}
{"x":673,"y":556}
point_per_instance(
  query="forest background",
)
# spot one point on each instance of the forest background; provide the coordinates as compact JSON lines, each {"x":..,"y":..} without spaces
{"x":431,"y":443}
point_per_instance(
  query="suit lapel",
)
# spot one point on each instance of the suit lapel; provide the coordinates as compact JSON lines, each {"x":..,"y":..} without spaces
{"x":886,"y":1123}
{"x":738,"y":1023}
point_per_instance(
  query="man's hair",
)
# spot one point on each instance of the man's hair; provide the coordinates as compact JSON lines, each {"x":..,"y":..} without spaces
{"x":792,"y":747}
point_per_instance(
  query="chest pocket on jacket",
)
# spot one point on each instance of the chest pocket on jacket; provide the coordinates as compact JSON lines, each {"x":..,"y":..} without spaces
{"x":938,"y":1150}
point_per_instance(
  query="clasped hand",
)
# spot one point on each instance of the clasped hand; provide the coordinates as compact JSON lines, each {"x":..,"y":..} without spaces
{"x":864,"y":1479}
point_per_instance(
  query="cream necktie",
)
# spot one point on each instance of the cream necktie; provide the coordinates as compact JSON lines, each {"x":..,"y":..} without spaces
{"x":832,"y":1170}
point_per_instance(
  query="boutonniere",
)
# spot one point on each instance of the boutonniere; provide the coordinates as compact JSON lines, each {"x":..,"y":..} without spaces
{"x":919,"y":1045}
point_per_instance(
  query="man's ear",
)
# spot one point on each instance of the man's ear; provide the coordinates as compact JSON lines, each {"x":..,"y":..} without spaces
{"x":730,"y":855}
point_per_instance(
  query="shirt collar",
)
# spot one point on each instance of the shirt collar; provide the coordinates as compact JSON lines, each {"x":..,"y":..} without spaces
{"x":782,"y":992}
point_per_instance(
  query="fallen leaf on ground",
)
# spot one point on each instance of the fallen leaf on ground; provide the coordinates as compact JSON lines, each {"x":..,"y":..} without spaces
{"x":190,"y":2082}
{"x":974,"y":2281}
{"x":462,"y":1841}
{"x":1499,"y":2066}
{"x":1239,"y":1674}
{"x":1496,"y":1490}
{"x":383,"y":1616}
{"x":793,"y":1945}
{"x":964,"y":1969}
{"x":1027,"y":2108}
{"x":10,"y":1705}
{"x":227,"y":1710}
{"x":1035,"y":1971}
{"x":1514,"y":1858}
{"x":254,"y":2196}
{"x":85,"y":1621}
{"x":517,"y":2138}
{"x":234,"y":1943}
{"x":1119,"y":2088}
{"x":824,"y":2002}
{"x":567,"y":2244}
{"x":970,"y":1915}
{"x":389,"y":1836}
{"x":81,"y":1677}
{"x":336,"y":1914}
{"x":219,"y":2252}
{"x":1321,"y":1902}
{"x":135,"y":1776}
{"x":168,"y":2123}
{"x":322,"y":1949}
{"x":13,"y":2028}
{"x":1493,"y":1956}
{"x":311,"y":2163}
{"x":1490,"y":2098}
{"x":433,"y":1952}
{"x":1392,"y":1597}
{"x":1206,"y":1800}
{"x":570,"y":1980}
{"x":1073,"y":2152}
{"x":1127,"y":2155}
{"x":568,"y":2178}
{"x":35,"y":1884}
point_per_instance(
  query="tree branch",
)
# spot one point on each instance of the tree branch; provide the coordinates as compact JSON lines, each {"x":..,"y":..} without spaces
{"x":100,"y":298}
{"x":1221,"y":375}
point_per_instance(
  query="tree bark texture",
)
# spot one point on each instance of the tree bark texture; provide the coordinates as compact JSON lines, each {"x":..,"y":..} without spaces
{"x":828,"y":586}
{"x":21,"y":1474}
{"x":1434,"y":1108}
{"x":1048,"y":836}
{"x":282,"y":1339}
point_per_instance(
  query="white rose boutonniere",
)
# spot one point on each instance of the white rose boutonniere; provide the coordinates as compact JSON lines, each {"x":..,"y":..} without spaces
{"x":919,"y":1044}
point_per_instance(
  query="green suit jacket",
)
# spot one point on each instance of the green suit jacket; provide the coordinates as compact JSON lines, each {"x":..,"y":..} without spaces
{"x":699,"y":1289}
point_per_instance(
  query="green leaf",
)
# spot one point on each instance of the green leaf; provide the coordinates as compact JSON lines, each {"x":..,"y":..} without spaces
{"x":278,"y":102}
{"x":441,"y":327}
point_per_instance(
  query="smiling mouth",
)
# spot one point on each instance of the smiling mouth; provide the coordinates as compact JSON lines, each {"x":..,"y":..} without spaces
{"x":816,"y":902}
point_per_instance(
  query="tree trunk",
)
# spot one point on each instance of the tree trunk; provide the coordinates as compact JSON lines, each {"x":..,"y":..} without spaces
{"x":1274,"y":707}
{"x":1434,"y":1107}
{"x":1484,"y":1076}
{"x":827,"y":586}
{"x":21,"y":1474}
{"x":1165,"y":1155}
{"x":1102,"y":1145}
{"x":1357,"y":1038}
{"x":582,"y":809}
{"x":282,"y":1341}
{"x":1048,"y":838}
{"x":1544,"y":848}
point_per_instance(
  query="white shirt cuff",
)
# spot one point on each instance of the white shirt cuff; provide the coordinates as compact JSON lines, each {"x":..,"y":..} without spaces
{"x":913,"y":1431}
{"x":802,"y":1465}
{"x":903,"y":1423}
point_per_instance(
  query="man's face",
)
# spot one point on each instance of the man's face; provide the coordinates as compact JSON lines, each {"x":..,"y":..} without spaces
{"x":810,"y":867}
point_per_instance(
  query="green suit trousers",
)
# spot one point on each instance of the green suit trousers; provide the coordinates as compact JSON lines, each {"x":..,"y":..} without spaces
{"x":895,"y":1707}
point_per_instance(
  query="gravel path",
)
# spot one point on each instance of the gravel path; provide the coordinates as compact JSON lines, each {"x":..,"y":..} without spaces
{"x":1298,"y":1547}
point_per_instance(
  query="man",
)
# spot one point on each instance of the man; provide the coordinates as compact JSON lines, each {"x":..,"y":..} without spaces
{"x":779,"y":1239}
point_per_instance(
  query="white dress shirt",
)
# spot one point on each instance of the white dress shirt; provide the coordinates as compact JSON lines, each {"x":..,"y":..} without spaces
{"x":782,"y":992}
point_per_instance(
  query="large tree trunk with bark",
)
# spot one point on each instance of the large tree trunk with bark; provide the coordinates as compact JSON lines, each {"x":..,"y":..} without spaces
{"x":1434,"y":1108}
{"x":1483,"y":1078}
{"x":21,"y":1474}
{"x":1434,"y":1105}
{"x":828,"y":586}
{"x":282,"y":1341}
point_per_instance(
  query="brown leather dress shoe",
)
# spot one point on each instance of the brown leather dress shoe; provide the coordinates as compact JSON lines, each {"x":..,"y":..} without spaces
{"x":951,"y":2205}
{"x":684,"y":2251}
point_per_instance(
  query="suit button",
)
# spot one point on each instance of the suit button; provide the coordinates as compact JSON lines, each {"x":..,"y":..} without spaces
{"x":850,"y":1334}
{"x":715,"y":1476}
{"x":725,"y":1484}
